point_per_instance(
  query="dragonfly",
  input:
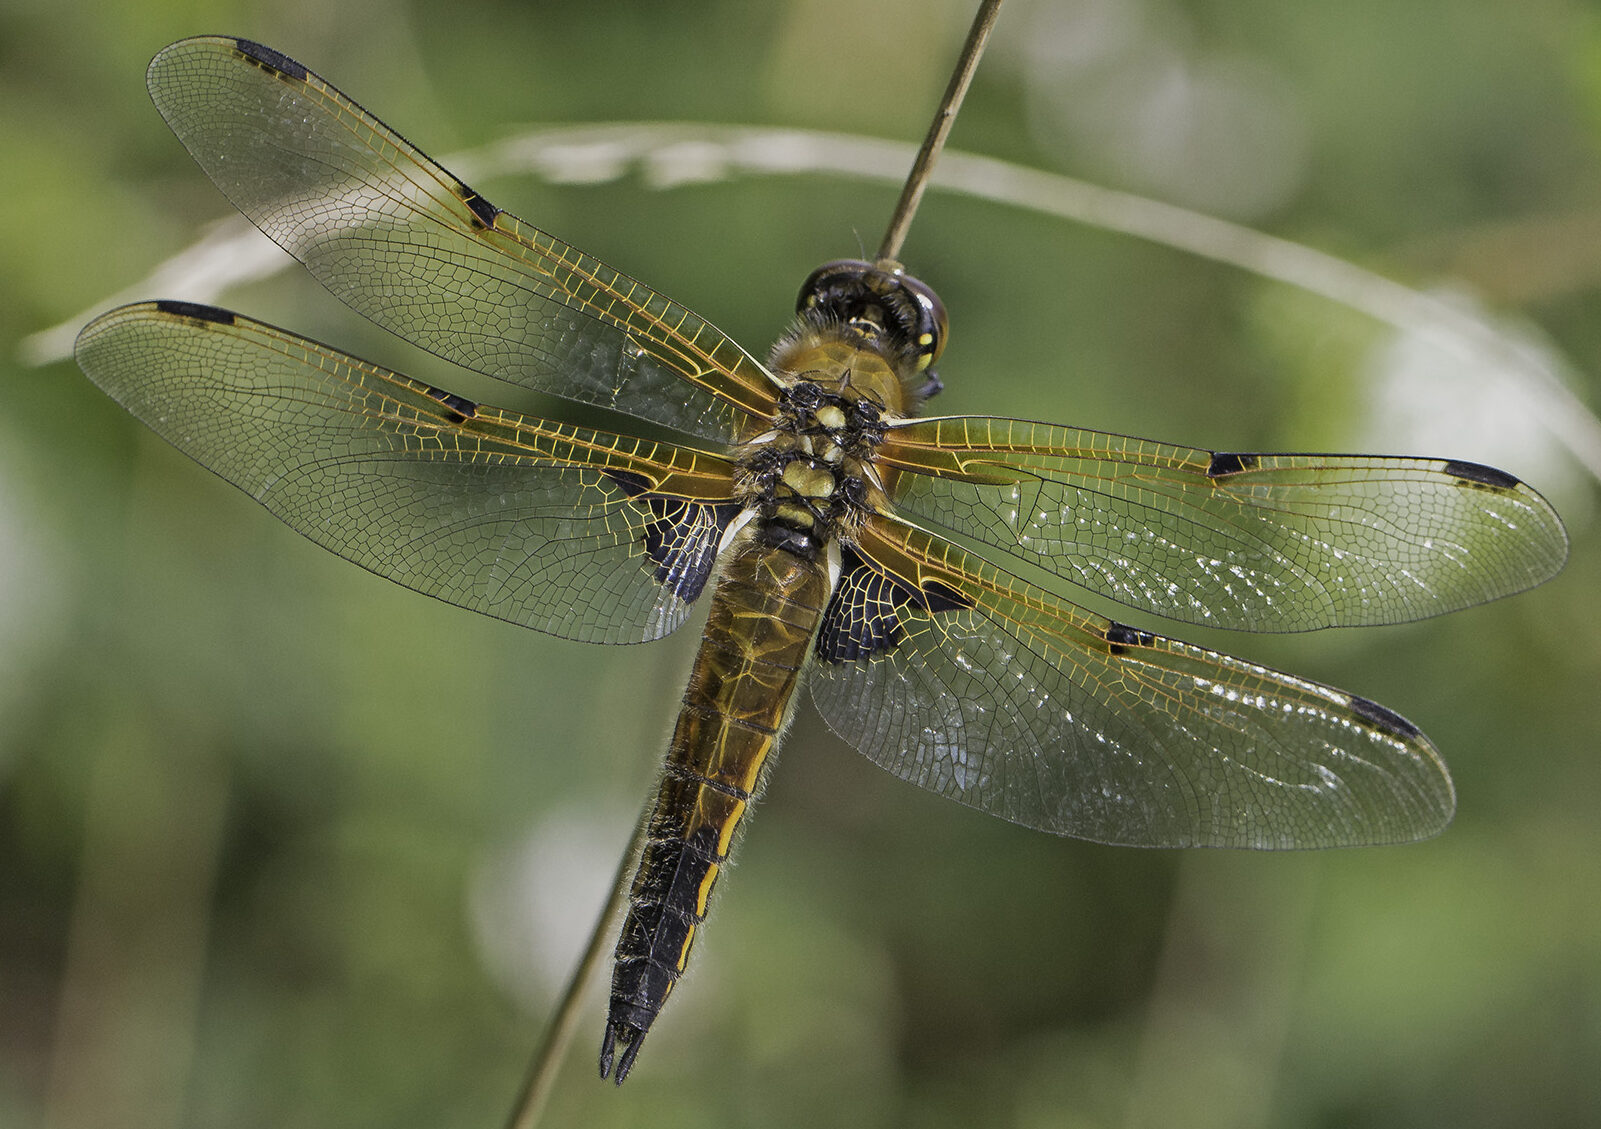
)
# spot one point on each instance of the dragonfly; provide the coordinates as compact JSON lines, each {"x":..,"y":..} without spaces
{"x":841,"y":536}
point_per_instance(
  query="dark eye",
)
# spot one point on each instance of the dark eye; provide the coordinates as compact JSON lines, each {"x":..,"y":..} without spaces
{"x":885,"y":295}
{"x":933,"y":326}
{"x":831,"y":282}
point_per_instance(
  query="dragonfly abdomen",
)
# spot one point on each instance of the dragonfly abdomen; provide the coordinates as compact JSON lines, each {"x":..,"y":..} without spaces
{"x":763,"y":615}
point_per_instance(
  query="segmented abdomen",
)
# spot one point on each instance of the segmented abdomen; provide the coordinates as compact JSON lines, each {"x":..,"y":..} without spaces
{"x":763,"y":614}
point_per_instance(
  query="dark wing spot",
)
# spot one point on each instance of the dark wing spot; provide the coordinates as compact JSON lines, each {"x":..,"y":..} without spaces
{"x":196,"y":310}
{"x":1231,"y":462}
{"x":1386,"y":719}
{"x":482,"y":209}
{"x":1481,"y":475}
{"x":269,"y":60}
{"x":463,"y":407}
{"x":1122,"y":636}
{"x":1128,"y":636}
{"x":863,"y":617}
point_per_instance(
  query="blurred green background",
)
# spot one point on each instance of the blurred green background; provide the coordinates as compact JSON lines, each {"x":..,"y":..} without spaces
{"x":284,"y":845}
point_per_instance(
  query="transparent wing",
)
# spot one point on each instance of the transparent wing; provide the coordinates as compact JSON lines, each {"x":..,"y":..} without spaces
{"x":975,"y":685}
{"x":408,"y":245}
{"x":575,"y":532}
{"x":1249,"y":541}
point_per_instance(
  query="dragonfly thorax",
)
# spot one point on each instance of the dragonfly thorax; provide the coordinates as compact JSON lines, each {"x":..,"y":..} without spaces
{"x":810,"y":478}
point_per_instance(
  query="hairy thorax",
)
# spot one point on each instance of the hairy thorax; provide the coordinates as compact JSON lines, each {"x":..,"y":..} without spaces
{"x":810,"y":477}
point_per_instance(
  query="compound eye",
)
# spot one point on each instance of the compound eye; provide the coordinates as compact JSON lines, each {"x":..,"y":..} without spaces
{"x":933,"y":327}
{"x":880,"y":295}
{"x":824,"y":285}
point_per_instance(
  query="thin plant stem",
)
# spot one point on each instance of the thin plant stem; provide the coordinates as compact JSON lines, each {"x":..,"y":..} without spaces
{"x":939,"y":129}
{"x":542,"y":1071}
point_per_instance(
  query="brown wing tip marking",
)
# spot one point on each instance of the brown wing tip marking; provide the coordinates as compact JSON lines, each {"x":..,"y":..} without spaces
{"x":1121,"y":636}
{"x":1481,"y":475}
{"x":269,"y":60}
{"x":1383,"y":718}
{"x":196,"y":311}
{"x":1231,"y":462}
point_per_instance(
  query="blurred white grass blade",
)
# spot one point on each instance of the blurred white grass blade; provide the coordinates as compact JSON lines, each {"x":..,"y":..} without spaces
{"x":672,"y":153}
{"x":1424,"y":398}
{"x":230,"y":253}
{"x":668,"y":154}
{"x":534,"y":902}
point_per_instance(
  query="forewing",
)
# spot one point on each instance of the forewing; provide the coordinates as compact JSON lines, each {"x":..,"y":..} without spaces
{"x":410,"y":246}
{"x":1249,"y":541}
{"x":579,"y":533}
{"x":985,"y":689}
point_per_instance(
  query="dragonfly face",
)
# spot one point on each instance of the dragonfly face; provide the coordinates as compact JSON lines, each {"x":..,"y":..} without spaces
{"x":811,"y":504}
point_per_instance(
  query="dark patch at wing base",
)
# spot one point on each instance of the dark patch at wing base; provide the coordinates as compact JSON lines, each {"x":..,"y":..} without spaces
{"x":862,"y":618}
{"x":682,"y":537}
{"x":196,"y":310}
{"x":268,"y":59}
{"x":1481,"y":474}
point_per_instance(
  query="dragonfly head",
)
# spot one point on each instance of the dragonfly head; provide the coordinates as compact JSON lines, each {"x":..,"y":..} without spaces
{"x":896,"y":312}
